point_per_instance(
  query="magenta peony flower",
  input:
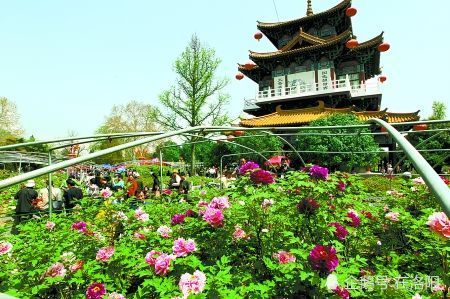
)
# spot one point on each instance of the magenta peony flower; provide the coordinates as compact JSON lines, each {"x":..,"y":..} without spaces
{"x":308,"y":206}
{"x":248,"y":167}
{"x":341,"y":232}
{"x":50,"y":225}
{"x":393,"y":216}
{"x":95,"y":291}
{"x":192,"y":283}
{"x":79,"y":226}
{"x":105,"y":193}
{"x":239,"y":233}
{"x":181,"y":247}
{"x":323,"y":258}
{"x":56,"y":270}
{"x":140,"y":215}
{"x":318,"y":172}
{"x":284,"y":257}
{"x":189,"y":213}
{"x":115,"y":295}
{"x":439,"y":223}
{"x":219,"y":203}
{"x":77,"y":266}
{"x":341,"y":186}
{"x":162,"y":263}
{"x":104,"y":254}
{"x":164,"y":231}
{"x":355,"y":221}
{"x":261,"y":177}
{"x":213,"y":217}
{"x":342,"y":292}
{"x":5,"y":247}
{"x":150,"y":257}
{"x":178,"y":219}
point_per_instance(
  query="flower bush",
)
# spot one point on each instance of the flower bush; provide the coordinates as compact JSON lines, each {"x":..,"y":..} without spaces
{"x":304,"y":236}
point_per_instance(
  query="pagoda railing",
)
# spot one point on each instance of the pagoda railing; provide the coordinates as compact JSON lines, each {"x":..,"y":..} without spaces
{"x":312,"y":89}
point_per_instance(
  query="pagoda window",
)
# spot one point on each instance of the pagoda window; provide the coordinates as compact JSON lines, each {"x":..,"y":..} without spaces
{"x":327,"y":30}
{"x":313,"y":31}
{"x":284,"y":40}
{"x":308,"y":65}
{"x":352,"y":69}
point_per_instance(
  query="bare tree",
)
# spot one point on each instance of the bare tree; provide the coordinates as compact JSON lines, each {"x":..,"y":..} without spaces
{"x":196,"y":98}
{"x":9,"y":119}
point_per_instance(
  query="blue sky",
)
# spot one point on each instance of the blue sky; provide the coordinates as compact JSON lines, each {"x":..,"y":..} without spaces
{"x":65,"y":63}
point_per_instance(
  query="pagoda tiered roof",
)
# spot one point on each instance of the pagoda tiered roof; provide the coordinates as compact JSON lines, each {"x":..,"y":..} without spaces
{"x":304,"y":116}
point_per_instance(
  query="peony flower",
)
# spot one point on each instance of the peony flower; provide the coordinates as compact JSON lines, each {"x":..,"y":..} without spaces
{"x":167,"y":192}
{"x":332,"y":282}
{"x":192,"y":283}
{"x":150,"y":257}
{"x":318,"y":172}
{"x":140,"y":215}
{"x":50,"y":225}
{"x":393,"y":216}
{"x":323,"y":258}
{"x":341,"y":186}
{"x":77,"y":266}
{"x":164,"y":231}
{"x":219,"y":203}
{"x":121,"y":216}
{"x":182,"y":247}
{"x":379,"y":243}
{"x":284,"y":257}
{"x":202,"y":203}
{"x":419,"y":181}
{"x":446,"y":181}
{"x":5,"y":247}
{"x":68,"y":257}
{"x":308,"y":206}
{"x":115,"y":295}
{"x":248,"y":167}
{"x":189,"y":213}
{"x":139,"y":236}
{"x":162,"y":263}
{"x":79,"y":226}
{"x":239,"y":233}
{"x":341,"y":232}
{"x":178,"y":219}
{"x":95,"y":291}
{"x":367,"y":214}
{"x":267,"y":203}
{"x":439,"y":223}
{"x":355,"y":220}
{"x":105,"y":193}
{"x":56,"y":270}
{"x":261,"y":177}
{"x":104,"y":254}
{"x":342,"y":292}
{"x":416,"y":296}
{"x":213,"y":217}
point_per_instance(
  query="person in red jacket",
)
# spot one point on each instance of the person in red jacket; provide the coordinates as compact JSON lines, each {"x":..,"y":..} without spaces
{"x":132,"y":186}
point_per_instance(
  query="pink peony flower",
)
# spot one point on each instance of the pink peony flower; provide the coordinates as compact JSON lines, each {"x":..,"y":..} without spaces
{"x":50,"y":225}
{"x":104,"y":254}
{"x":355,"y":221}
{"x":139,"y":236}
{"x":105,"y":193}
{"x":439,"y":223}
{"x":77,"y":266}
{"x":308,"y":206}
{"x":267,"y":203}
{"x":393,"y":216}
{"x":342,"y":292}
{"x":239,"y":233}
{"x":56,"y":270}
{"x":261,"y":177}
{"x":318,"y":172}
{"x":202,"y":203}
{"x":192,"y":283}
{"x":95,"y":291}
{"x":140,"y":215}
{"x":178,"y":219}
{"x":284,"y":257}
{"x":79,"y":226}
{"x":219,"y":203}
{"x":323,"y":258}
{"x":5,"y":247}
{"x":248,"y":167}
{"x":164,"y":231}
{"x":115,"y":295}
{"x":213,"y":217}
{"x":341,"y":186}
{"x":182,"y":247}
{"x":341,"y":232}
{"x":162,"y":263}
{"x":150,"y":257}
{"x":419,"y":181}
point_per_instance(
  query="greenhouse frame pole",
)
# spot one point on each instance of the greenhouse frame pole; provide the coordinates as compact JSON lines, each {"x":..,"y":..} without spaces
{"x":49,"y":186}
{"x":431,"y":178}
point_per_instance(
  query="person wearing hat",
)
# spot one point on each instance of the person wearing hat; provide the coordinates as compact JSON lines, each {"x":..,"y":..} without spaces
{"x":24,"y":207}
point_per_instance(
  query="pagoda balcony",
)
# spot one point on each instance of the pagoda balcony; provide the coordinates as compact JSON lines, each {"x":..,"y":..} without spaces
{"x":312,"y":90}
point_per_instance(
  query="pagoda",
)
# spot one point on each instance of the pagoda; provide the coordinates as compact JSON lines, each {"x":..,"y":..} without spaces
{"x":318,"y":68}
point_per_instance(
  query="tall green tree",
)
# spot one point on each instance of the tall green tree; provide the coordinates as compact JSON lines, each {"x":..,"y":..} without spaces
{"x":197,"y":97}
{"x":338,"y":143}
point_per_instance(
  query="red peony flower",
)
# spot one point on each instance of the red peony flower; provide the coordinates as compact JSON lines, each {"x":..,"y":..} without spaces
{"x":355,"y":220}
{"x":95,"y":291}
{"x":178,"y":219}
{"x":308,"y":206}
{"x":323,"y":258}
{"x":261,"y":177}
{"x":342,"y":292}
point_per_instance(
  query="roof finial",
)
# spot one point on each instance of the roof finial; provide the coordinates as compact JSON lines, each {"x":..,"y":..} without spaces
{"x":309,"y":11}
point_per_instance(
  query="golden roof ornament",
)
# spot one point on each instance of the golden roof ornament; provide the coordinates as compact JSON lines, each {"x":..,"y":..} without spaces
{"x":309,"y":11}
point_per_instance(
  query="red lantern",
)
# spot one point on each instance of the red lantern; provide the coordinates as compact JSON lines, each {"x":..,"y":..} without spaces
{"x":258,"y":35}
{"x":351,"y":11}
{"x":239,"y":76}
{"x":384,"y":47}
{"x":420,"y":127}
{"x":352,"y":43}
{"x":382,"y":78}
{"x":383,"y":129}
{"x":249,"y":65}
{"x":239,"y":133}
